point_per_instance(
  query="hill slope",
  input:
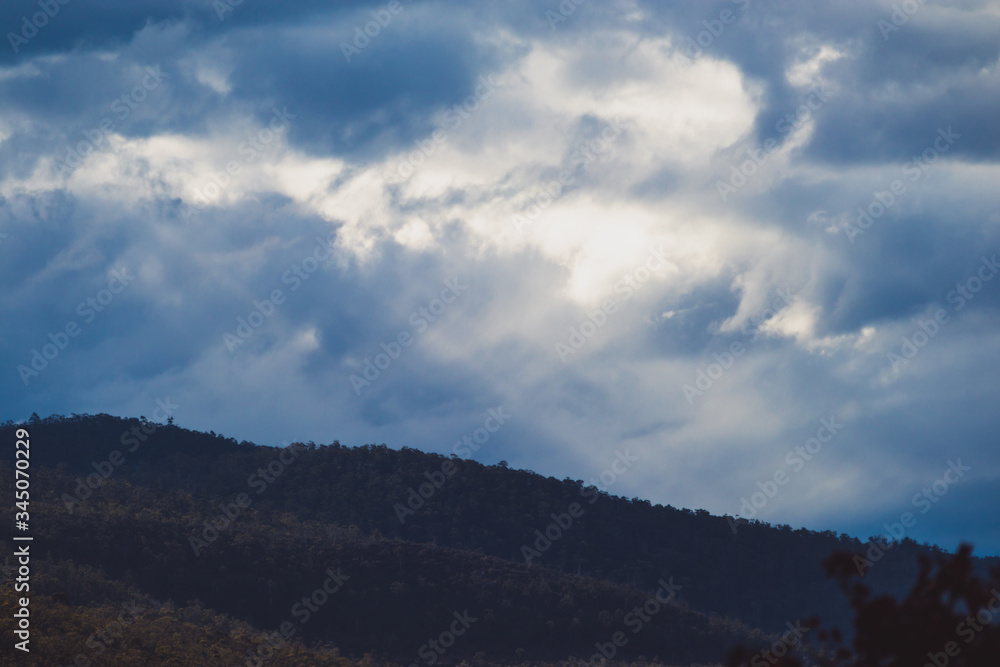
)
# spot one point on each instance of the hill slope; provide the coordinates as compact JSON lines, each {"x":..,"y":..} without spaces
{"x":765,"y":576}
{"x":333,"y":584}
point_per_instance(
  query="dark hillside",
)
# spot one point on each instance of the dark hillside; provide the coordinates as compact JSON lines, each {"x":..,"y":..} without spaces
{"x":336,"y":585}
{"x":764,"y":575}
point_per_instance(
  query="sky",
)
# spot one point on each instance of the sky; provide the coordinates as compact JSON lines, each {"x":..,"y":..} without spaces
{"x":746,"y":246}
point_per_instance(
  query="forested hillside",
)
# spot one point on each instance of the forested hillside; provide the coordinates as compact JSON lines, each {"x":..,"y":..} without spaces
{"x":246,"y":531}
{"x":358,"y":592}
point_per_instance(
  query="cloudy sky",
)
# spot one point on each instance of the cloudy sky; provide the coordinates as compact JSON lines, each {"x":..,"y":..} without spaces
{"x":699,"y":233}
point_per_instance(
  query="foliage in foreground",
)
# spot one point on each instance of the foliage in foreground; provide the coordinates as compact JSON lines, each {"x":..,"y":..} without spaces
{"x":950,"y":618}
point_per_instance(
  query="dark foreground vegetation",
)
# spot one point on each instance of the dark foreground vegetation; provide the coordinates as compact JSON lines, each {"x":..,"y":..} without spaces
{"x":158,"y":545}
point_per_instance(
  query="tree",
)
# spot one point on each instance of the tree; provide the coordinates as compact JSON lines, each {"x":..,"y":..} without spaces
{"x":948,"y":618}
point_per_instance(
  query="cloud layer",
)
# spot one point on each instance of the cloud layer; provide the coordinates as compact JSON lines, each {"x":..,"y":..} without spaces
{"x":692,"y":230}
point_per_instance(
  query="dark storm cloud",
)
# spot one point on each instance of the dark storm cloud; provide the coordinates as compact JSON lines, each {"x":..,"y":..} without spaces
{"x":107,"y":25}
{"x":415,"y":67}
{"x":385,"y":97}
{"x":889,"y":94}
{"x":896,"y":86}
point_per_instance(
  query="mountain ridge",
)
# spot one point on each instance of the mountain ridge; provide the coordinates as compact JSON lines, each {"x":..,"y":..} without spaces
{"x":765,"y":576}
